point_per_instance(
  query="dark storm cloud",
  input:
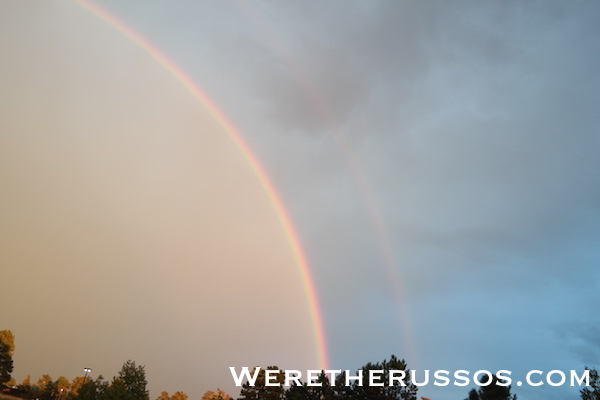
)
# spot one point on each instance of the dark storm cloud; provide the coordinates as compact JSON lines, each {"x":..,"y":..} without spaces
{"x":335,"y":61}
{"x":348,"y":56}
{"x":475,"y":122}
{"x":476,"y":126}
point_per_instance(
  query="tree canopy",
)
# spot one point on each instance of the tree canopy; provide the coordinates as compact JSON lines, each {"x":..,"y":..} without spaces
{"x":260,"y":391}
{"x":218,"y":395}
{"x":7,"y":347}
{"x":593,"y":391}
{"x":339,"y":390}
{"x":492,"y":391}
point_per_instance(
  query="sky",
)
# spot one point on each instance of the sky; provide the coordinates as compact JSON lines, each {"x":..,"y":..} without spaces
{"x":439,"y":162}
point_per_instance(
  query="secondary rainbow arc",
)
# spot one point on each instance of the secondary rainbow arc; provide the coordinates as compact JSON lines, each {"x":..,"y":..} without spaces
{"x":254,"y":163}
{"x":378,"y":225}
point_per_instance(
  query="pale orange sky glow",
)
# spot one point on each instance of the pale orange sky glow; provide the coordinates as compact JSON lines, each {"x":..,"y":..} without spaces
{"x":132,"y":227}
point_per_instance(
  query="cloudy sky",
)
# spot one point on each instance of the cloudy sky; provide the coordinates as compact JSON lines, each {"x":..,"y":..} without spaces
{"x":440,"y":163}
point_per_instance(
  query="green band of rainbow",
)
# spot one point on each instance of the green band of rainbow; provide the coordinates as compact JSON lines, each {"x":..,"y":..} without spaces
{"x":283,"y":215}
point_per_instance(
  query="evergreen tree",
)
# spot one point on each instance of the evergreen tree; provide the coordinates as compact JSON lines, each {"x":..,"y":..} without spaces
{"x":259,"y":391}
{"x":385,"y":392}
{"x":404,"y":390}
{"x":473,"y":395}
{"x":92,"y":390}
{"x":130,"y":384}
{"x":492,"y":391}
{"x":593,"y":391}
{"x":305,"y":392}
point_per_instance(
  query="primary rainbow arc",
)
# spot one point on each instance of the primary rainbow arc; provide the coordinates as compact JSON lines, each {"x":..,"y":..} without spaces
{"x":244,"y":148}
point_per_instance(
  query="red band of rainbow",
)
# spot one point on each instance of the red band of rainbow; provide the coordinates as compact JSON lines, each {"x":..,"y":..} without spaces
{"x":283,"y":215}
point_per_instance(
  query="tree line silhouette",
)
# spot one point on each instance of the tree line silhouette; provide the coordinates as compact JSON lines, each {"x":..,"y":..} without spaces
{"x":130,"y":384}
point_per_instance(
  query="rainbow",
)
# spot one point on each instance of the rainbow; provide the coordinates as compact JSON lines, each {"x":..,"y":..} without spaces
{"x":244,"y":148}
{"x":350,"y":159}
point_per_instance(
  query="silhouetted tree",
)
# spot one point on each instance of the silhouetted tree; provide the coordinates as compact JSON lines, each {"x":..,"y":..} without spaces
{"x":386,"y":392}
{"x":492,"y":391}
{"x":259,"y":391}
{"x":76,"y":385}
{"x":118,"y":391}
{"x":354,"y":391}
{"x":305,"y":392}
{"x":45,"y":388}
{"x":130,"y":384}
{"x":24,"y":388}
{"x":7,"y":346}
{"x":92,"y":390}
{"x":593,"y":392}
{"x":473,"y":395}
{"x":50,"y":390}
